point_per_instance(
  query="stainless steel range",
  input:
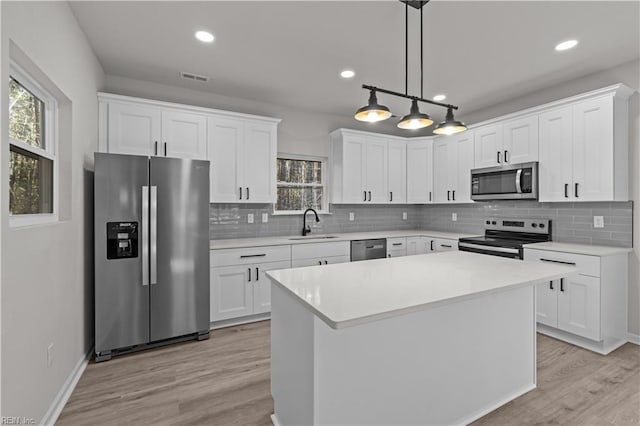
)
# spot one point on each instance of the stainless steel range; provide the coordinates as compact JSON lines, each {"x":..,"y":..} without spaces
{"x":506,"y":237}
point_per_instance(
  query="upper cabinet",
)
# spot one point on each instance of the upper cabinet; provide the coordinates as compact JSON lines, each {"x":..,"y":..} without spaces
{"x":141,"y":129}
{"x":508,"y":142}
{"x":584,"y":149}
{"x":242,"y":148}
{"x":452,"y":164}
{"x":420,"y":171}
{"x":367,"y":168}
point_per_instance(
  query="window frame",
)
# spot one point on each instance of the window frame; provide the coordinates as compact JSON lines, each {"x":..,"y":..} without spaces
{"x":50,"y":151}
{"x":325,"y":184}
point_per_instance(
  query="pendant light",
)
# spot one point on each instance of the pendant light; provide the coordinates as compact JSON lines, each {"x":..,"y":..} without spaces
{"x":450,"y":125}
{"x":373,"y":112}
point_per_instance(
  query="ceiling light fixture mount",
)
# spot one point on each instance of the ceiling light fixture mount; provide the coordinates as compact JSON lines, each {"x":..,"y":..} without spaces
{"x":374,"y":112}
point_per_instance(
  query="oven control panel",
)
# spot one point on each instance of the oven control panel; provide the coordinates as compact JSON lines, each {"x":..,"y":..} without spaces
{"x":536,"y":226}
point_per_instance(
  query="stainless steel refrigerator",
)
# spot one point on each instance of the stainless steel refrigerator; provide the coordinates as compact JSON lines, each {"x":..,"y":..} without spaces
{"x":151,"y":252}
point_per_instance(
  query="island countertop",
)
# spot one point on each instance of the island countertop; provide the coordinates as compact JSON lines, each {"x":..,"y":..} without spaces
{"x":348,"y":294}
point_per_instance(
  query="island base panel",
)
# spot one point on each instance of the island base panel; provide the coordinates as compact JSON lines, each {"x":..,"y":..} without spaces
{"x":448,"y":364}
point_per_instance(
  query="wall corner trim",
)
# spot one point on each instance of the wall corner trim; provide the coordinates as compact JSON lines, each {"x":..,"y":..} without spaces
{"x":55,"y":409}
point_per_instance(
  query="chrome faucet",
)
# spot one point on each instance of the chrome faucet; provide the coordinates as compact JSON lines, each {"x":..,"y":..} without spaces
{"x":305,"y":228}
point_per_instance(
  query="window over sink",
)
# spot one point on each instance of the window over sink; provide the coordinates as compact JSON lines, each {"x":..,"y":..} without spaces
{"x":300,"y":183}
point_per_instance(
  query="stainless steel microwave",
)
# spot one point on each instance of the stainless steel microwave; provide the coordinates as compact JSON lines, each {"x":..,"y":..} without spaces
{"x":510,"y":182}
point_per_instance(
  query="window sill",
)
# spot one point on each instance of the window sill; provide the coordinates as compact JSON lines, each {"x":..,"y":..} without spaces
{"x":25,"y":220}
{"x":298,"y":213}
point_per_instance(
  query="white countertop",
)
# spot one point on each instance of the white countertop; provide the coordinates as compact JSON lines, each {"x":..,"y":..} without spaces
{"x":578,"y":248}
{"x":286,"y":240}
{"x":349,"y":294}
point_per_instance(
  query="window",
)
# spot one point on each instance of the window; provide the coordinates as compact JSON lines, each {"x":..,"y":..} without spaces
{"x":32,"y":148}
{"x":301,"y":184}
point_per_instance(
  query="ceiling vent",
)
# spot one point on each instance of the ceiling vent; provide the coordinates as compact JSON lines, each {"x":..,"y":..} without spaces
{"x":195,"y":77}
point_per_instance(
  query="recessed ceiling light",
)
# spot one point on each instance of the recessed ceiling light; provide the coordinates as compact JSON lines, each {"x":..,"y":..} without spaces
{"x":347,"y":74}
{"x":438,"y":98}
{"x":204,"y":36}
{"x":566,"y":45}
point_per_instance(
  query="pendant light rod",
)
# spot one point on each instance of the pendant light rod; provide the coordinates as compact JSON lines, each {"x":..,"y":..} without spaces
{"x":406,"y":49}
{"x":421,"y":58}
{"x":402,"y":95}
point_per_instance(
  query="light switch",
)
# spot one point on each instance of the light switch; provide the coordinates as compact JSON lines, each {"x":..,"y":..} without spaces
{"x":598,"y":221}
{"x":454,"y":217}
{"x":250,"y":218}
{"x":265,"y":217}
{"x":404,"y":215}
{"x":352,"y":216}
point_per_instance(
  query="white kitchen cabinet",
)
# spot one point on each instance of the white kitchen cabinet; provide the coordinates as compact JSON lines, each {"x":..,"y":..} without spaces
{"x":452,"y":164}
{"x":396,"y":247}
{"x":420,"y":171}
{"x":318,"y":261}
{"x":243,"y":154}
{"x":584,"y":149}
{"x":507,"y":142}
{"x":360,"y":168}
{"x":420,"y":245}
{"x":139,"y":128}
{"x":587,"y":308}
{"x":445,"y":244}
{"x":397,"y":171}
{"x":238,"y":286}
{"x":326,"y":253}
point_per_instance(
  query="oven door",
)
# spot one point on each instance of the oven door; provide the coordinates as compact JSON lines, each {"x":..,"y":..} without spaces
{"x":511,"y":182}
{"x":510,"y":252}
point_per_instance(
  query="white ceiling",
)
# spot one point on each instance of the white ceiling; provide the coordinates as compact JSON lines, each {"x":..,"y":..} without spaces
{"x":290,"y":53}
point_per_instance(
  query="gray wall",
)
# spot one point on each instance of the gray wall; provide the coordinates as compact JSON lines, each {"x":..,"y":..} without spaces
{"x":46,"y":269}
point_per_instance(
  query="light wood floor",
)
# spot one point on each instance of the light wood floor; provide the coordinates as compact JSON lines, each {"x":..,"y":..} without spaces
{"x":225,"y":381}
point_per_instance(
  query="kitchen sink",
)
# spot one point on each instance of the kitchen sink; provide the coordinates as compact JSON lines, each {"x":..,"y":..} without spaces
{"x":322,"y":237}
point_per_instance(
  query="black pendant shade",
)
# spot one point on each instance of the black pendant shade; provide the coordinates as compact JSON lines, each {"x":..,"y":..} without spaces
{"x":450,"y":125}
{"x":415,"y":119}
{"x":373,"y":111}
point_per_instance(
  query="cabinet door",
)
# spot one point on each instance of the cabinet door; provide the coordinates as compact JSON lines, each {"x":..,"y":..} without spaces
{"x":520,"y":140}
{"x":443,"y":244}
{"x":376,"y":171}
{"x":460,"y":171}
{"x":547,"y":303}
{"x":262,"y":285}
{"x":353,"y":169}
{"x":259,"y":163}
{"x":593,"y":150}
{"x":231,"y":292}
{"x":184,"y":134}
{"x":397,"y":170}
{"x":579,"y":306}
{"x":133,"y":129}
{"x":319,"y":261}
{"x":555,"y":170}
{"x":488,"y":146}
{"x":420,"y":172}
{"x":441,"y":165}
{"x":225,"y":138}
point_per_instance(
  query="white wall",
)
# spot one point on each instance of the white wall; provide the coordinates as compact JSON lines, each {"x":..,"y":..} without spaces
{"x":628,"y":74}
{"x":46,"y":270}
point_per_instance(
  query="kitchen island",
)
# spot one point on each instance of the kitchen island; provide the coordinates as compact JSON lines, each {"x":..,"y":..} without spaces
{"x":432,"y":339}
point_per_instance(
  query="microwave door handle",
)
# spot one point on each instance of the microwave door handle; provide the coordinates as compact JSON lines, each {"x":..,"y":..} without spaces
{"x":518,"y":183}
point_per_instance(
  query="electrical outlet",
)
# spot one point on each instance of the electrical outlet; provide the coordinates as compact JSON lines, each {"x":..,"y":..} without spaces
{"x":352,"y":216}
{"x":250,"y":218}
{"x":598,"y":221}
{"x":404,"y":215}
{"x":265,"y":217}
{"x":454,"y":217}
{"x":50,"y":355}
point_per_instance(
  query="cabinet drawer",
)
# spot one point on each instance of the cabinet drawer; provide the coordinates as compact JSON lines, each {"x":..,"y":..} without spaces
{"x":396,"y":243}
{"x":587,"y":265}
{"x":249,"y":255}
{"x":320,"y":250}
{"x":443,"y":244}
{"x":330,"y":260}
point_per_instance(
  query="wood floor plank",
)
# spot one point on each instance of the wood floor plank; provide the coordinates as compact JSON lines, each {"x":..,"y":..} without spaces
{"x":226,"y":381}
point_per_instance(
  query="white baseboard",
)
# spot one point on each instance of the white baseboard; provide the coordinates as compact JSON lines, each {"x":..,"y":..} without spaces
{"x":633,"y":338}
{"x":63,"y":396}
{"x":274,"y":420}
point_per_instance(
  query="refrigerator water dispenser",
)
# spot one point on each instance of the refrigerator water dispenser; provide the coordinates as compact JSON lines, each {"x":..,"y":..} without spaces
{"x":122,"y":240}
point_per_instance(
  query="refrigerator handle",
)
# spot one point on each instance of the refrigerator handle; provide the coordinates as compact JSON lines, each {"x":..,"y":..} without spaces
{"x":153,"y":234}
{"x":145,"y":235}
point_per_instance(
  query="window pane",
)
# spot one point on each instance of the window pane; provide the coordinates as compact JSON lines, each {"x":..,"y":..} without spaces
{"x":299,"y":171}
{"x":26,"y":116}
{"x":299,"y":198}
{"x":30,"y":183}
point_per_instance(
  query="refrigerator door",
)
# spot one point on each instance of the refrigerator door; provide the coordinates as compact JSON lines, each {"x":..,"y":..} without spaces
{"x":179,"y":258}
{"x":121,"y":281}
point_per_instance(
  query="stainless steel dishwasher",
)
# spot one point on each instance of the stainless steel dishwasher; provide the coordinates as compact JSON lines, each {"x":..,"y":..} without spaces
{"x":368,"y":249}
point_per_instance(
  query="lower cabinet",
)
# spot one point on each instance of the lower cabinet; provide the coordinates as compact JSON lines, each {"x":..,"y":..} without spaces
{"x":315,"y":254}
{"x":444,"y":244}
{"x":420,"y":245}
{"x":328,"y":260}
{"x":396,"y":247}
